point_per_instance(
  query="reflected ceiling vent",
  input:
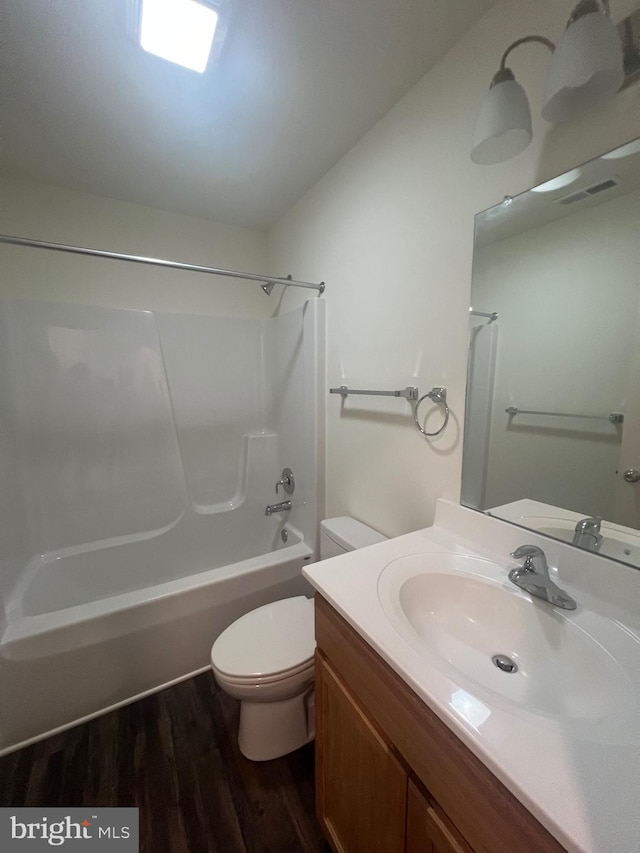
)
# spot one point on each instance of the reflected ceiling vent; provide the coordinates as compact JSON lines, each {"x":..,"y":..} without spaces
{"x":587,"y":192}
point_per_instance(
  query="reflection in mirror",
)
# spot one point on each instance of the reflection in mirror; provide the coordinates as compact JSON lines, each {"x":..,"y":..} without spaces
{"x":552,"y":432}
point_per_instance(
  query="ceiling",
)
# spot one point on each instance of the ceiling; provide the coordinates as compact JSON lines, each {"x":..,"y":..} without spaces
{"x":297,"y":83}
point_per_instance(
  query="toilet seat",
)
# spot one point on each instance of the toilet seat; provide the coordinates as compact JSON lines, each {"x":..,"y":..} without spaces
{"x":260,"y":680}
{"x":268,"y":644}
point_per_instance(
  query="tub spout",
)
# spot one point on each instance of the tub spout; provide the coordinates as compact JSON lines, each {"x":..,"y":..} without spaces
{"x":283,"y":506}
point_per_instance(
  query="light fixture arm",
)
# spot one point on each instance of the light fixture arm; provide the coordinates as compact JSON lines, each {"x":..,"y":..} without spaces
{"x":505,"y":73}
{"x":587,"y":65}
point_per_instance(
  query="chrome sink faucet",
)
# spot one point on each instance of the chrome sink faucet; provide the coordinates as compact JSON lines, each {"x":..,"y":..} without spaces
{"x":534,"y":578}
{"x":587,"y":534}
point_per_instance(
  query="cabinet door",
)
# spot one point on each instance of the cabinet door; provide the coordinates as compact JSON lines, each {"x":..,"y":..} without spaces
{"x":428,"y":828}
{"x":361,"y":786}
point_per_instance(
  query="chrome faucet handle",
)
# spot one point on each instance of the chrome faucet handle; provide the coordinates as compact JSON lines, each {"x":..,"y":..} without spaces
{"x":527,"y":551}
{"x":530,"y":552}
{"x":589,"y":525}
{"x":287,"y":481}
{"x":535,"y":579}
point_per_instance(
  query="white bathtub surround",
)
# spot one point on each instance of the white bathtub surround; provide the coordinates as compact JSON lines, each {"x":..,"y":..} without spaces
{"x":564,"y":734}
{"x":144,"y":449}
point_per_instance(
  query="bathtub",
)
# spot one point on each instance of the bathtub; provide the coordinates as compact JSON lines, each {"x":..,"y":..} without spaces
{"x":72,"y":650}
{"x":139,"y":451}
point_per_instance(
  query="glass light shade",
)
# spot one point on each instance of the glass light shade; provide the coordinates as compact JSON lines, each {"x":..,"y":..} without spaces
{"x":503,"y":128}
{"x":585,"y":68}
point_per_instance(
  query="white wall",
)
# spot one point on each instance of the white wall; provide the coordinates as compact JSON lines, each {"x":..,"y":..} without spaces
{"x":567,"y":298}
{"x":53,"y":214}
{"x":390,"y":230}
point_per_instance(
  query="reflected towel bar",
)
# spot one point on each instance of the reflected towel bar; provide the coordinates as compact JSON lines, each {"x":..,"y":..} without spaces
{"x":410,"y":392}
{"x":493,"y":315}
{"x":613,"y":417}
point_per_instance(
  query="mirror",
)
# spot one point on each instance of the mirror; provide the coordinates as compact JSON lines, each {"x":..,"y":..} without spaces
{"x":552,"y":432}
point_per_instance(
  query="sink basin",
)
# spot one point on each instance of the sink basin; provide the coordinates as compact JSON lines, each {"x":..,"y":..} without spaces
{"x":460,"y":612}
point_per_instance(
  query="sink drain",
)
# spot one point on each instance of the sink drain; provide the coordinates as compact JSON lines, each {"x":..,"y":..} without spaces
{"x":504,"y":663}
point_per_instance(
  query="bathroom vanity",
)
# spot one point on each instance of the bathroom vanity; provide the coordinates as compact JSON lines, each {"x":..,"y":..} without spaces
{"x":378,"y":744}
{"x":424,"y":745}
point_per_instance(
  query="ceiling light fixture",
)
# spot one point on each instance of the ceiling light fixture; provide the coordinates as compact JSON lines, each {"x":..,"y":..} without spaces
{"x":180,"y":31}
{"x":586,"y":67}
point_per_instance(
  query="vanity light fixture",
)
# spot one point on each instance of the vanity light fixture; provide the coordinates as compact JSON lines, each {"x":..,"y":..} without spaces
{"x":180,"y":31}
{"x":586,"y":67}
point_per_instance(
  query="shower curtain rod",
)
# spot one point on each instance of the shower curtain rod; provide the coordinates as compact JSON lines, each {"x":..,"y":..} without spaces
{"x":267,"y":286}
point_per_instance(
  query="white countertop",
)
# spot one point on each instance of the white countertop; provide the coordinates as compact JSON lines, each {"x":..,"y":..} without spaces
{"x":583,"y":785}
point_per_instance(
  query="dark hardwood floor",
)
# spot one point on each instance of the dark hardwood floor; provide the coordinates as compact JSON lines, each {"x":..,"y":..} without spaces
{"x":175,"y":756}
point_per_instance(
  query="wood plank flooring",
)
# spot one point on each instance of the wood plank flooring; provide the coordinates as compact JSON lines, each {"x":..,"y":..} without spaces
{"x":175,"y":756}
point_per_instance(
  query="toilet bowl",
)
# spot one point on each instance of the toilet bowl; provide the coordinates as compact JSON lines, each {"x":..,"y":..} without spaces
{"x":265,"y":659}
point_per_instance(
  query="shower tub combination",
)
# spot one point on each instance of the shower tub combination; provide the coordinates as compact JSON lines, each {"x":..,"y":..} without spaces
{"x":138,"y":453}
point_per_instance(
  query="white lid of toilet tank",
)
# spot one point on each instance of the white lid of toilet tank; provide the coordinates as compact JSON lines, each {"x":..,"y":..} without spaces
{"x":269,"y":640}
{"x":349,"y":533}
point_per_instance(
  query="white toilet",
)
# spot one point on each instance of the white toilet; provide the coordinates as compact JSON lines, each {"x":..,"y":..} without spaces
{"x":265,"y":659}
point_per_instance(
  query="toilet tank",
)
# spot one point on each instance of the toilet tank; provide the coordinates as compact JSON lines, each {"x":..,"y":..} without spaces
{"x":339,"y":535}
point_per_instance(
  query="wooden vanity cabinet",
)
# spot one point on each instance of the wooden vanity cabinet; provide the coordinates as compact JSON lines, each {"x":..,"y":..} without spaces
{"x":391,"y":777}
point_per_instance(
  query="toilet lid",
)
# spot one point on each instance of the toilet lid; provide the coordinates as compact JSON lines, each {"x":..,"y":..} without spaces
{"x":268,"y":640}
